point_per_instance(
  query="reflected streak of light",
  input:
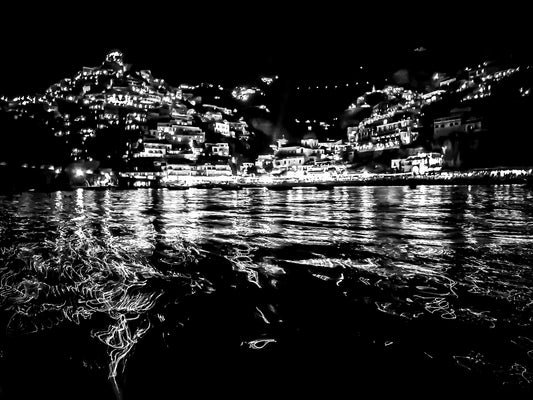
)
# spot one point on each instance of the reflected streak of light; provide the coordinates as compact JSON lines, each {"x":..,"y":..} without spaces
{"x":80,"y":204}
{"x":368,"y":215}
{"x":143,"y":232}
{"x":259,"y":343}
{"x":266,"y":321}
{"x":242,"y":261}
{"x":58,"y":202}
{"x":106,"y":214}
{"x":339,"y":281}
{"x":105,"y":278}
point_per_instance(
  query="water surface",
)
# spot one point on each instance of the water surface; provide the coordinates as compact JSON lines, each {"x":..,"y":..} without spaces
{"x":124,"y":293}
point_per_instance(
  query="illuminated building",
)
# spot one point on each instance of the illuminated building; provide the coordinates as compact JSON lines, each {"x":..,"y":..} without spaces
{"x":187,"y":134}
{"x":212,"y":116}
{"x":393,"y":121}
{"x":384,"y":134}
{"x":245,"y":168}
{"x":115,"y":56}
{"x":221,"y":128}
{"x":240,"y":130}
{"x":209,"y":169}
{"x":263,"y":162}
{"x":310,"y":142}
{"x":447,"y":82}
{"x":288,"y":162}
{"x":154,"y":149}
{"x":418,"y":164}
{"x":459,"y":121}
{"x":482,"y":78}
{"x":180,"y":115}
{"x":217,"y":149}
{"x":243,"y":93}
{"x":180,"y":133}
{"x":331,"y":146}
{"x":142,"y":178}
{"x":174,"y":171}
{"x":218,"y":110}
{"x":432,"y":97}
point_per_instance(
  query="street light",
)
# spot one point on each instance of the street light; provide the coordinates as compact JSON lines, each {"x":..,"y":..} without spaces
{"x":79,"y":173}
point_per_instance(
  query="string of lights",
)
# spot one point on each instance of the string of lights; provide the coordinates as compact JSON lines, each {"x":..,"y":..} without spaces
{"x":330,"y":86}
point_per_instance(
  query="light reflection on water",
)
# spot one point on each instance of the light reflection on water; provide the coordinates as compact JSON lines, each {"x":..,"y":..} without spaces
{"x":430,"y":252}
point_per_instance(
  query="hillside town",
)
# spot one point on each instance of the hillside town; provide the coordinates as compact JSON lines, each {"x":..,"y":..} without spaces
{"x":115,"y":124}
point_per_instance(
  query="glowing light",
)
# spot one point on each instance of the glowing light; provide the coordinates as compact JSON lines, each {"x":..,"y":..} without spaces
{"x":79,"y":173}
{"x":259,"y":344}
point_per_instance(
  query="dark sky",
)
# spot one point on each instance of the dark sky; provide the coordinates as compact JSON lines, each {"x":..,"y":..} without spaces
{"x":42,"y":45}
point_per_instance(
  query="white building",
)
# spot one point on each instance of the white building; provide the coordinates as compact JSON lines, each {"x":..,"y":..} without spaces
{"x":214,"y":170}
{"x":245,"y":166}
{"x":288,"y":162}
{"x":175,"y":171}
{"x":156,"y":150}
{"x":180,"y":133}
{"x":221,"y":128}
{"x":218,"y":149}
{"x":311,"y":143}
{"x":187,"y":134}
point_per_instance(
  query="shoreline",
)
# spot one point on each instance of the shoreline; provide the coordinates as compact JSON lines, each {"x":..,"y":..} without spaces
{"x":499,"y":176}
{"x":411,"y":182}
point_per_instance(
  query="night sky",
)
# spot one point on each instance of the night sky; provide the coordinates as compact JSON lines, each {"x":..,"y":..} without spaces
{"x":202,"y":43}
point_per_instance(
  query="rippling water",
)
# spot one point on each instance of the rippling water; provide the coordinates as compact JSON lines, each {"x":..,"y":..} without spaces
{"x":123,"y":293}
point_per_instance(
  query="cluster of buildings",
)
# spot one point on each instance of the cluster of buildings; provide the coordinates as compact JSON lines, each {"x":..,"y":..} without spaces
{"x":471,"y":84}
{"x":244,"y":93}
{"x":171,"y":134}
{"x":393,"y":122}
{"x":163,"y":132}
{"x":177,"y":150}
{"x":460,"y":120}
{"x":309,"y":157}
{"x":480,"y":80}
{"x":399,"y":117}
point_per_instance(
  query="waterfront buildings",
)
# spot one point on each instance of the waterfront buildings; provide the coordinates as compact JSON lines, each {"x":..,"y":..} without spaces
{"x":418,"y":164}
{"x":165,"y":131}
